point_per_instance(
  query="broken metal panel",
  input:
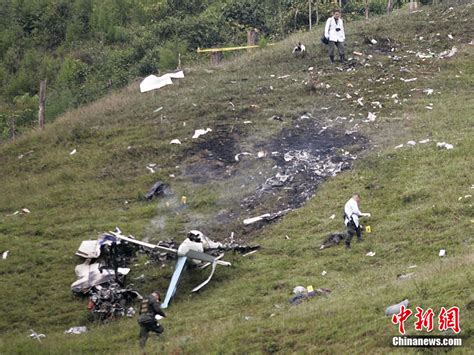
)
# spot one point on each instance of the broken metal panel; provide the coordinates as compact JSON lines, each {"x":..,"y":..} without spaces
{"x":89,"y":249}
{"x":197,"y":288}
{"x":180,"y":265}
{"x":144,"y":244}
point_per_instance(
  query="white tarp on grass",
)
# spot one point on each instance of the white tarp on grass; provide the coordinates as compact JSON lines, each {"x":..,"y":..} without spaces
{"x":153,"y":82}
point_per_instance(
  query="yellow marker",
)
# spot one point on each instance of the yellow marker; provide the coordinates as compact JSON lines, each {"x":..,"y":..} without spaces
{"x":310,"y":288}
{"x":368,"y":229}
{"x":183,"y":200}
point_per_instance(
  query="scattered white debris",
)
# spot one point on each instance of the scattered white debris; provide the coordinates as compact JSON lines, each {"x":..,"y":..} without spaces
{"x":424,"y":141}
{"x":412,"y":143}
{"x":200,"y":132}
{"x":175,"y":141}
{"x":370,"y":117}
{"x":324,"y":273}
{"x":74,"y":151}
{"x":76,"y":330}
{"x":35,"y":335}
{"x":158,"y":109}
{"x":450,"y":36}
{"x":376,"y":104}
{"x":21,"y":156}
{"x":399,"y":146}
{"x":412,"y":266}
{"x":370,"y":253}
{"x":395,"y":308}
{"x":360,"y":101}
{"x":5,"y":254}
{"x":261,"y":154}
{"x":444,"y":145}
{"x":428,"y":91}
{"x":394,"y":96}
{"x":247,"y":122}
{"x":310,"y":69}
{"x":299,"y":289}
{"x":408,"y":80}
{"x":284,"y":76}
{"x":247,"y":318}
{"x":153,"y":82}
{"x":373,"y":41}
{"x":250,"y":253}
{"x":448,"y":53}
{"x":25,"y":210}
{"x":429,"y":107}
{"x":332,"y":216}
{"x":442,"y":252}
{"x":405,"y":276}
{"x":244,"y":153}
{"x":358,"y":53}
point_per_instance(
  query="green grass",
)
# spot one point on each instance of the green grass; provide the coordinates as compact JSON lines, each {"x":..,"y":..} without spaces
{"x":411,"y":192}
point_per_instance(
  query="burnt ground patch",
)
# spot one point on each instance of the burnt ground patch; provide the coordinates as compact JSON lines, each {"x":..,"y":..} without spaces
{"x":212,"y":157}
{"x":295,"y":162}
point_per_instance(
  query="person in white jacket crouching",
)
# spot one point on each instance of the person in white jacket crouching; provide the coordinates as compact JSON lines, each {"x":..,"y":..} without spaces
{"x":334,"y":32}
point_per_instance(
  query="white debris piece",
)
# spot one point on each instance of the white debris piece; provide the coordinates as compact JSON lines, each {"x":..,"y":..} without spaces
{"x":448,"y":53}
{"x":332,"y":216}
{"x":358,"y":53}
{"x":370,"y":117}
{"x":283,"y":76}
{"x":373,"y":41}
{"x":299,"y":289}
{"x":261,"y":154}
{"x":412,"y":266}
{"x":74,"y":151}
{"x":25,"y":210}
{"x":244,"y":153}
{"x":442,"y":252}
{"x":429,"y":107}
{"x":175,"y":141}
{"x":444,"y":145}
{"x":153,"y":82}
{"x":310,"y":69}
{"x":201,"y":132}
{"x":359,"y":101}
{"x":35,"y":335}
{"x":428,"y":91}
{"x":158,"y":109}
{"x":399,"y":146}
{"x":370,"y":253}
{"x":324,"y":273}
{"x":424,"y":141}
{"x":408,"y":80}
{"x":395,"y":308}
{"x":76,"y":330}
{"x":412,"y":143}
{"x":5,"y":254}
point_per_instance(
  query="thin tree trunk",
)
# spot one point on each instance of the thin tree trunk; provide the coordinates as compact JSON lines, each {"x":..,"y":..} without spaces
{"x":389,"y":6}
{"x":13,"y":127}
{"x":317,"y":12}
{"x":309,"y":14}
{"x":42,"y":100}
{"x":366,"y":9}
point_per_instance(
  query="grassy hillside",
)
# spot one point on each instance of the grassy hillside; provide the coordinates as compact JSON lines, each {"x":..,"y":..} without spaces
{"x":412,"y":192}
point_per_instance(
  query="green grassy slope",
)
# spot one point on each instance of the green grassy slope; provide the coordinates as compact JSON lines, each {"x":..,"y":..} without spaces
{"x":412,"y":193}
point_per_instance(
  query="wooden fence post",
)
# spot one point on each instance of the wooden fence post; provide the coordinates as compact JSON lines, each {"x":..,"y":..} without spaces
{"x":42,"y":100}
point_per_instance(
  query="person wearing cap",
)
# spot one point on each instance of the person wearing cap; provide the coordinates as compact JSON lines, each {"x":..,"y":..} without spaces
{"x":149,"y":309}
{"x":351,"y":219}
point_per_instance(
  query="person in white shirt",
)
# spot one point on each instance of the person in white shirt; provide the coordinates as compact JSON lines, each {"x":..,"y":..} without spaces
{"x":334,"y":32}
{"x":351,"y":219}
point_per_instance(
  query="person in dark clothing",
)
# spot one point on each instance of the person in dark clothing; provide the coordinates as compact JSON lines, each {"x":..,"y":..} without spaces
{"x":149,"y":308}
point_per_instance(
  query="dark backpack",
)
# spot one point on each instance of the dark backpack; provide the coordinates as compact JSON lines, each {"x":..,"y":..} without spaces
{"x":324,"y":39}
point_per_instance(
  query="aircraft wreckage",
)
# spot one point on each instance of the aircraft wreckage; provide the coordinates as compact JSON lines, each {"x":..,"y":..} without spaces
{"x":102,"y":275}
